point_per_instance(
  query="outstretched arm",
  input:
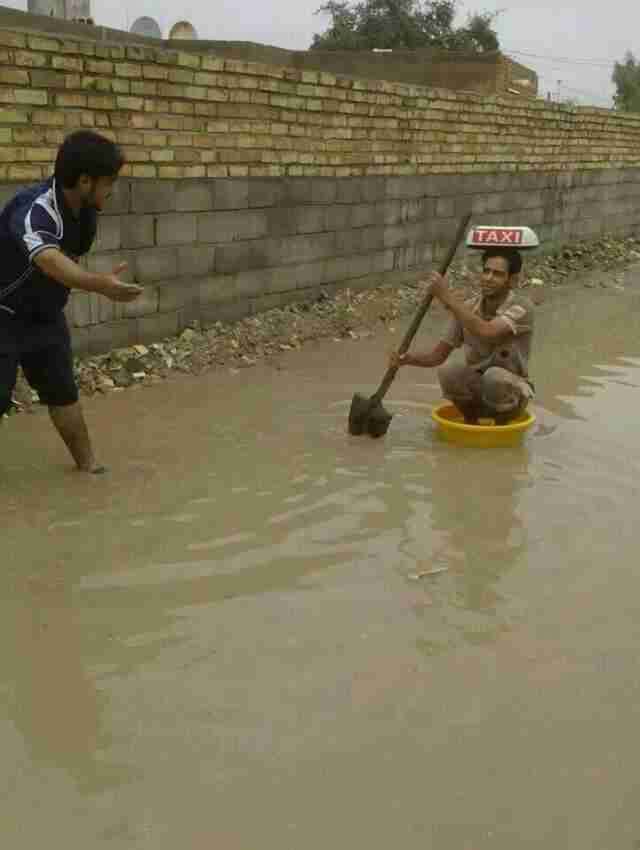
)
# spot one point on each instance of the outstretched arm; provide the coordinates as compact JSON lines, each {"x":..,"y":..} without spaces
{"x":53,"y":263}
{"x":427,"y":360}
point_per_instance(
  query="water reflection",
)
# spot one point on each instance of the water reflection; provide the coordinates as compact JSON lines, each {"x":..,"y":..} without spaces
{"x":54,"y":702}
{"x":479,"y":536}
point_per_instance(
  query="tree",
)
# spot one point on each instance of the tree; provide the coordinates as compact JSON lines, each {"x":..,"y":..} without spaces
{"x":626,"y":76}
{"x":398,"y":24}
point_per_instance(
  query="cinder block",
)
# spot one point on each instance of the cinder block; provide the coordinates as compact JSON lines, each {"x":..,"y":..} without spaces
{"x":267,"y":192}
{"x":157,"y":327}
{"x":395,"y":236}
{"x":80,"y":309}
{"x":196,"y":260}
{"x":534,"y":218}
{"x":339,"y":217}
{"x":104,"y":337}
{"x":297,"y":191}
{"x":217,"y":288}
{"x":289,"y":278}
{"x":138,"y":231}
{"x":254,"y":282}
{"x":360,"y":265}
{"x":80,"y":341}
{"x":445,"y":208}
{"x":394,"y":212}
{"x":324,"y":190}
{"x":373,"y":189}
{"x":339,"y":268}
{"x":153,"y":196}
{"x":311,"y":274}
{"x":311,"y":219}
{"x":495,"y":203}
{"x":423,"y":254}
{"x":176,"y":229}
{"x":441,"y":186}
{"x":479,"y":205}
{"x":108,"y":237}
{"x":349,"y":190}
{"x":364,"y":240}
{"x":177,"y":294}
{"x":382,"y":262}
{"x":225,"y":311}
{"x":107,"y":311}
{"x":281,"y":221}
{"x":145,"y":305}
{"x":120,"y":201}
{"x":230,"y":194}
{"x":404,"y":187}
{"x":264,"y":253}
{"x":221,"y":227}
{"x":442,"y":230}
{"x":293,"y":249}
{"x":107,"y":263}
{"x":363,"y":215}
{"x":156,"y":265}
{"x":232,"y":258}
{"x":194,"y":196}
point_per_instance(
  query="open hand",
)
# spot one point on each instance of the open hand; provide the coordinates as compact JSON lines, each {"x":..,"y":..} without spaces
{"x":116,"y":289}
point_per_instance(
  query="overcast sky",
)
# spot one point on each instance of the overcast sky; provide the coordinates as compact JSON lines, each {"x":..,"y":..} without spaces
{"x":575,"y":43}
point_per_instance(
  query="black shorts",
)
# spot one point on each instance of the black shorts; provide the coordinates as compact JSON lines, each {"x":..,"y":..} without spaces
{"x":44,"y":353}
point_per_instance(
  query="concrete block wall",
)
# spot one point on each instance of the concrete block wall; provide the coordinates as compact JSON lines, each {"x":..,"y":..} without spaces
{"x":222,"y":249}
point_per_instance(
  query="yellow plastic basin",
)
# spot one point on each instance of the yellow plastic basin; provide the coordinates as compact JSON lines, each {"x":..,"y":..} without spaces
{"x":485,"y":435}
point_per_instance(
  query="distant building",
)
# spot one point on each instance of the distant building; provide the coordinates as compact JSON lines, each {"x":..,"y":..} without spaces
{"x":146,"y":26}
{"x":183,"y":31}
{"x":68,"y":10}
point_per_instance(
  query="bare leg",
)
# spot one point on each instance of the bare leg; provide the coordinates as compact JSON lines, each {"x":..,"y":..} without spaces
{"x":461,"y":384}
{"x":70,"y":424}
{"x":505,"y":395}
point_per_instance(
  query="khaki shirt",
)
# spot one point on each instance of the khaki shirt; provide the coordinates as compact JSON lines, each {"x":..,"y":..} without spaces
{"x":510,"y":352}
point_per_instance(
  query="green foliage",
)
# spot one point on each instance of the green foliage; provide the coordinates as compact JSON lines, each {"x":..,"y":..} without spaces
{"x":398,"y":24}
{"x":626,"y":76}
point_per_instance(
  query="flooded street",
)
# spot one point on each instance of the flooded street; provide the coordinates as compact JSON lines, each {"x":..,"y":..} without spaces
{"x":223,"y":643}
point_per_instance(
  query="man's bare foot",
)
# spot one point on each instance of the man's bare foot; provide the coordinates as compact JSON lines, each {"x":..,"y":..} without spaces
{"x":94,"y":469}
{"x":504,"y":418}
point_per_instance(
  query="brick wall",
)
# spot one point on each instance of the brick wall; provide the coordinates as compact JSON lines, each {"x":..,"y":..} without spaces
{"x":249,"y":185}
{"x":191,"y":115}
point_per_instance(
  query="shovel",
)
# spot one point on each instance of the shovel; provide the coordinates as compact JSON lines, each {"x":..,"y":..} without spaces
{"x":369,"y":415}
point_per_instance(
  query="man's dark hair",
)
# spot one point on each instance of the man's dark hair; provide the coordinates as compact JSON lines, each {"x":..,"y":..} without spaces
{"x":511,"y":255}
{"x":86,"y":152}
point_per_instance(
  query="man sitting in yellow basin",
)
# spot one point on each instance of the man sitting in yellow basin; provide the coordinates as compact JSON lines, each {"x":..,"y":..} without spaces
{"x":495,"y":330}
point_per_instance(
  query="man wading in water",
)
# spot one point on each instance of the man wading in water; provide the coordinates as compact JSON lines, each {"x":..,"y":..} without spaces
{"x":43,"y":230}
{"x":495,"y":331}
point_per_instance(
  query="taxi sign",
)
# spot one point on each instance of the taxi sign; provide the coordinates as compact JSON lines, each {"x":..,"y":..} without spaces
{"x":505,"y":237}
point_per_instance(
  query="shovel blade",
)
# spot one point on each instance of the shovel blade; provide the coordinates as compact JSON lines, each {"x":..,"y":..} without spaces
{"x":367,"y":416}
{"x":358,"y":414}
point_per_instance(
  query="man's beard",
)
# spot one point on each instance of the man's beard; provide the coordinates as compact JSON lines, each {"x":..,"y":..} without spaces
{"x":492,"y":291}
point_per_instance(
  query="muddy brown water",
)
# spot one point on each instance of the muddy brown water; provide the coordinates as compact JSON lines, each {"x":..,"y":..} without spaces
{"x":222,"y":645}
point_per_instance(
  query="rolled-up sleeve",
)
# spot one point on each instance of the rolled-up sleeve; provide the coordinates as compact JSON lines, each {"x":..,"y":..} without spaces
{"x":519,"y":317}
